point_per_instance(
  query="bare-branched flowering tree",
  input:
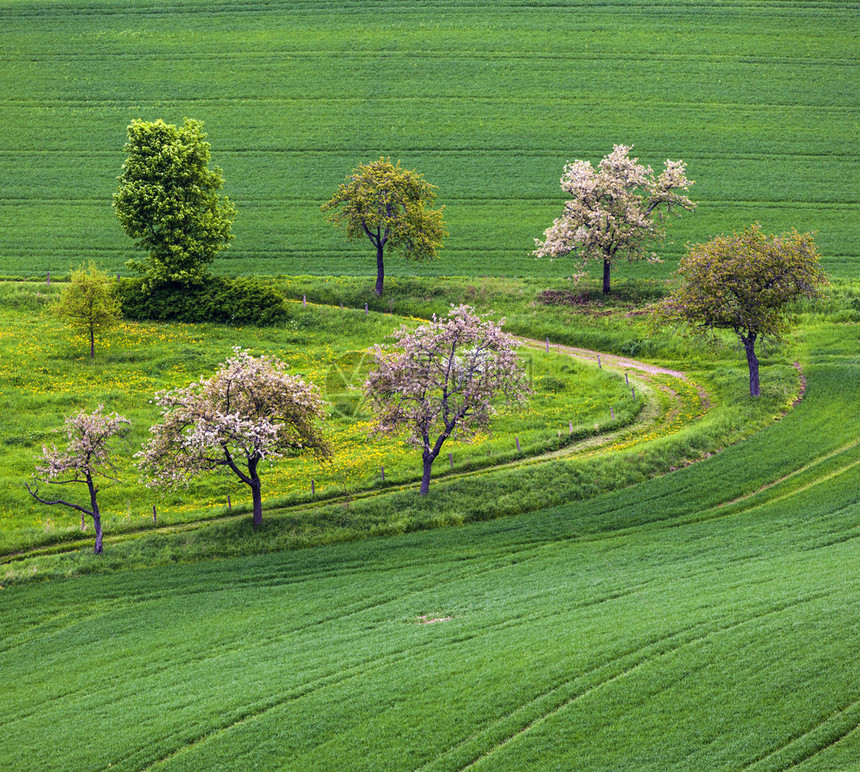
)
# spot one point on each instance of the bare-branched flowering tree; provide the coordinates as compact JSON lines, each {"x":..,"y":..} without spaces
{"x":442,"y":379}
{"x":616,"y":211}
{"x":251,"y":410}
{"x":86,"y":456}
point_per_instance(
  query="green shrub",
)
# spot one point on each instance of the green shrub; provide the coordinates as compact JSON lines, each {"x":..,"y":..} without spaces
{"x":243,"y":301}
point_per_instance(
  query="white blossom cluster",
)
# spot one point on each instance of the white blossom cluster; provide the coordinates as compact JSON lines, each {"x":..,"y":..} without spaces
{"x":87,"y":451}
{"x":250,"y":410}
{"x":442,"y":377}
{"x":617,"y":208}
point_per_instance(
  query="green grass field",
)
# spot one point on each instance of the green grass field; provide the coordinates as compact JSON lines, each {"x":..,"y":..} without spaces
{"x":703,"y":620}
{"x":758,"y":98}
{"x":676,"y":590}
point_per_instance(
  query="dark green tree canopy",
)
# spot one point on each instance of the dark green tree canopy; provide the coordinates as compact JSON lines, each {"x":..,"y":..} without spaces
{"x":168,"y":201}
{"x":745,"y":283}
{"x":392,"y":207}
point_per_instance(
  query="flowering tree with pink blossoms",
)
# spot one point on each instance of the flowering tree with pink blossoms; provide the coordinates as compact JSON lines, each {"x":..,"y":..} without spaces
{"x":441,"y":379}
{"x":248,"y":412}
{"x":86,"y":456}
{"x":616,"y":210}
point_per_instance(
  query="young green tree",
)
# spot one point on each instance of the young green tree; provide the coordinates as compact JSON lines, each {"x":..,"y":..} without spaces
{"x":85,"y":457}
{"x":168,"y":201}
{"x":250,"y":411}
{"x":89,"y":304}
{"x":392,"y":207}
{"x":616,"y":211}
{"x":745,"y":283}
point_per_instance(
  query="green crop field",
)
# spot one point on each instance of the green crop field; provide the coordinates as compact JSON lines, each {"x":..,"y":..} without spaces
{"x":704,"y":620}
{"x":760,"y":99}
{"x":659,"y":579}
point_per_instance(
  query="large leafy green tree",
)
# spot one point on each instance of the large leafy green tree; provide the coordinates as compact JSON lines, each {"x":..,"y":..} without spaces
{"x":391,"y":206}
{"x":168,"y":201}
{"x":745,"y":283}
{"x":89,"y":303}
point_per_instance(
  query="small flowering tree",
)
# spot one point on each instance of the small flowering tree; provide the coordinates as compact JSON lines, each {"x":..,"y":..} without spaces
{"x":250,"y":411}
{"x":441,"y":379}
{"x":745,"y":283}
{"x":616,"y":211}
{"x":86,"y":456}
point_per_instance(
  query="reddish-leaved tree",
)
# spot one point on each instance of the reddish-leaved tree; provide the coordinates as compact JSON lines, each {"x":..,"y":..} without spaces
{"x":442,"y":378}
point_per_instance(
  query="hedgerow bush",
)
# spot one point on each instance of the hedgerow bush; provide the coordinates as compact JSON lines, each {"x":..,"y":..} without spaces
{"x":223,"y":300}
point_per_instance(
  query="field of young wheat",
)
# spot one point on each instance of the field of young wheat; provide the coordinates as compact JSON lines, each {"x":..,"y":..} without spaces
{"x":658,"y":580}
{"x":758,"y":98}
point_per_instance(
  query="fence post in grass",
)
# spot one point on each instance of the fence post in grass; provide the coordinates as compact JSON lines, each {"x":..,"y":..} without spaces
{"x":517,"y":440}
{"x":313,"y":489}
{"x":633,"y":391}
{"x":229,"y":504}
{"x":304,"y":301}
{"x":451,"y":460}
{"x":547,"y":345}
{"x":598,"y":362}
{"x":382,"y":473}
{"x":626,"y":379}
{"x":49,"y":277}
{"x":154,"y":516}
{"x":612,"y":412}
{"x":365,"y":309}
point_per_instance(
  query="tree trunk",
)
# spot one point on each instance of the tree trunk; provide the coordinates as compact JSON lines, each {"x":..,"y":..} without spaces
{"x":380,"y":268}
{"x":606,"y":265}
{"x":94,"y":509}
{"x":257,"y":496}
{"x":97,"y":522}
{"x":752,"y":361}
{"x":425,"y":478}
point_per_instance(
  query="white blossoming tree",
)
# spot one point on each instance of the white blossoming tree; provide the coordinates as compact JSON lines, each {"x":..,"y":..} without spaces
{"x":441,"y":379}
{"x":248,"y":412}
{"x":85,"y":457}
{"x":616,"y":211}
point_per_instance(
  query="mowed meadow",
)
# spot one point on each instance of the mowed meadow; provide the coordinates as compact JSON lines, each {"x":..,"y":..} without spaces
{"x":659,"y":579}
{"x":758,"y":98}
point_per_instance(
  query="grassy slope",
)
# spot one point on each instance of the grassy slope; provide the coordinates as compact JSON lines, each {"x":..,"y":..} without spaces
{"x":759,"y":99}
{"x":686,"y":623}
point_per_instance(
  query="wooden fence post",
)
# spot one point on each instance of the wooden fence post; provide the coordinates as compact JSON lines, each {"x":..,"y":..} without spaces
{"x":154,"y":516}
{"x":517,"y":440}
